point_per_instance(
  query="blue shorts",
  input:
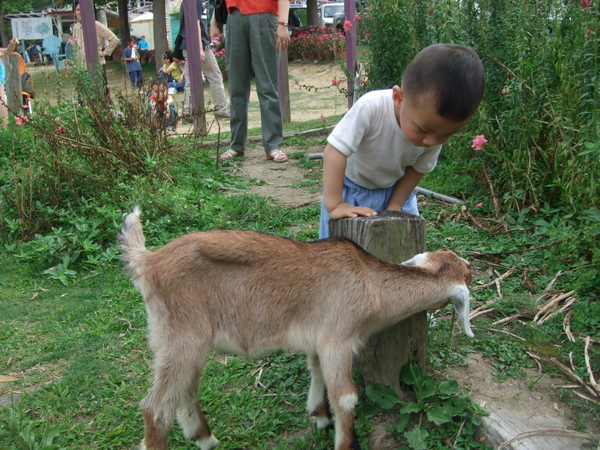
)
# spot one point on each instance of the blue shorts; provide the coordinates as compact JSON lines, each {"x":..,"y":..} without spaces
{"x":376,"y":199}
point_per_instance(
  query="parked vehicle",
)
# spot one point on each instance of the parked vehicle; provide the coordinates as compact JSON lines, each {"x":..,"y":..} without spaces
{"x":326,"y":11}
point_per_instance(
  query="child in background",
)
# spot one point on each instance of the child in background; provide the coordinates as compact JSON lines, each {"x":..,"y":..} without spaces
{"x":378,"y":153}
{"x":134,"y":67}
{"x":170,"y":69}
{"x":163,"y":112}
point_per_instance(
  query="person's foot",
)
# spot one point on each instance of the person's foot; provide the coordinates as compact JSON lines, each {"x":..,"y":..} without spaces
{"x":223,"y":114}
{"x":277,"y":156}
{"x":231,"y":153}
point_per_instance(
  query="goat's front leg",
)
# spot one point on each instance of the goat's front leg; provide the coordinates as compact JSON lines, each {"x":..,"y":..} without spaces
{"x":317,"y":395}
{"x":336,"y":365}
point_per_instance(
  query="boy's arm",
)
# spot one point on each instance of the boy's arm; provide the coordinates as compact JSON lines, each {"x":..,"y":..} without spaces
{"x":334,"y":167}
{"x":404,"y":186}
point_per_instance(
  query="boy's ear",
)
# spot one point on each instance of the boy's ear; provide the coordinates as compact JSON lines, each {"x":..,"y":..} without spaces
{"x":397,"y":95}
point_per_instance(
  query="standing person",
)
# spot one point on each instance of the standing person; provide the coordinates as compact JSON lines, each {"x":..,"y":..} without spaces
{"x":143,"y":48}
{"x":102,"y":34}
{"x":255,"y":31}
{"x":378,"y":153}
{"x":3,"y":109}
{"x":134,"y":67}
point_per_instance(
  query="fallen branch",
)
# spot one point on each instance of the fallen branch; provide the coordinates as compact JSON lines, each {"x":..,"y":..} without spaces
{"x":551,"y":303}
{"x":567,"y":326}
{"x":572,"y":375}
{"x":500,"y":278}
{"x":480,"y":313}
{"x":588,"y":366}
{"x":550,"y":432}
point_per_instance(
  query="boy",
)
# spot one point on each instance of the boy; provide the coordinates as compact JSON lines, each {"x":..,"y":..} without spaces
{"x":163,"y":112}
{"x":134,"y":67}
{"x":378,"y":153}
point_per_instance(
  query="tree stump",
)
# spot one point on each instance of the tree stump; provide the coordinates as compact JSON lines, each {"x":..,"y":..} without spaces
{"x":392,"y":236}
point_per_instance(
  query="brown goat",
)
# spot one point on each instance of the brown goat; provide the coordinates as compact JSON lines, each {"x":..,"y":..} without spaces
{"x":248,"y":292}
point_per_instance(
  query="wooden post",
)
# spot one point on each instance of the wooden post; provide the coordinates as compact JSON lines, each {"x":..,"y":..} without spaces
{"x":14,"y":96}
{"x":392,"y":236}
{"x":284,"y":86}
{"x":193,"y":43}
{"x":351,"y":35}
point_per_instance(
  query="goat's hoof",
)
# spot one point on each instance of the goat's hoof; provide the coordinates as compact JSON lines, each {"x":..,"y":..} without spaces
{"x":207,"y":443}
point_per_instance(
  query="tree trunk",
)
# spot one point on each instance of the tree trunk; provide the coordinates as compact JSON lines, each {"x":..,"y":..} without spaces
{"x":3,"y":34}
{"x":392,"y":236}
{"x":311,"y":12}
{"x":124,"y":22}
{"x":161,"y":43}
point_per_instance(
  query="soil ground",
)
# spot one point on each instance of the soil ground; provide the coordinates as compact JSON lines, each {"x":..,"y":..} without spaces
{"x":530,"y":403}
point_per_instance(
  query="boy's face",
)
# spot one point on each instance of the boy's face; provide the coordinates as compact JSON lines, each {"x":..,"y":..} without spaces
{"x":159,"y":92}
{"x":420,"y":122}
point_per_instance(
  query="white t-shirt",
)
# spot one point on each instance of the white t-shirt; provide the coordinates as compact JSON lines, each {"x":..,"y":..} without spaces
{"x":374,"y":143}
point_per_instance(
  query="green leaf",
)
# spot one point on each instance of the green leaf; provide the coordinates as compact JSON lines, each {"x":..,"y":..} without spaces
{"x":427,"y":388}
{"x":403,"y":420}
{"x":448,"y":388}
{"x":456,"y":406}
{"x":416,"y":438}
{"x":382,"y":395}
{"x":410,"y":374}
{"x":411,"y":407}
{"x":439,"y":415}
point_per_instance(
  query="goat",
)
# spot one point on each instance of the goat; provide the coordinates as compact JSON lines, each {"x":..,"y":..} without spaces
{"x":249,"y":292}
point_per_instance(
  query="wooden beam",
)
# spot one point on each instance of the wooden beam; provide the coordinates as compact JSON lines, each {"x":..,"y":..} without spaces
{"x":349,"y":13}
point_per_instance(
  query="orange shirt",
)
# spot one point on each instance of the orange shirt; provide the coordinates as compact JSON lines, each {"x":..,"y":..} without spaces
{"x":254,"y":6}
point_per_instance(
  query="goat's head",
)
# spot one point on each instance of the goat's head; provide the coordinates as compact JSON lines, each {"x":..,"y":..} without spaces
{"x":456,"y":272}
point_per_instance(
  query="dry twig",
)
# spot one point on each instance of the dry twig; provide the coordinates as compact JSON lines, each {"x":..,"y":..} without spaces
{"x":550,"y":432}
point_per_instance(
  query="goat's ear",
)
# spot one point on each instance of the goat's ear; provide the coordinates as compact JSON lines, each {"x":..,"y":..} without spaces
{"x":459,"y":294}
{"x":417,"y":260}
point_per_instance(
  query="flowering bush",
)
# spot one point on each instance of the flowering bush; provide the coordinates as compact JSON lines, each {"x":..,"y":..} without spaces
{"x":220,"y":56}
{"x":312,"y":42}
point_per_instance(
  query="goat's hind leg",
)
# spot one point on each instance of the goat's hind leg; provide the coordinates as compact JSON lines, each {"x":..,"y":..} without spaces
{"x":175,"y":393}
{"x":342,"y":393}
{"x":192,"y":420}
{"x":318,"y":405}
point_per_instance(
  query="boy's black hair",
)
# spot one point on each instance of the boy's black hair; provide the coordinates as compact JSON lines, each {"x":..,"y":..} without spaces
{"x":453,"y":73}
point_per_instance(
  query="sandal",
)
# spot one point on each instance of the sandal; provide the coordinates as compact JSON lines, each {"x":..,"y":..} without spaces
{"x":231,"y":153}
{"x":277,"y":156}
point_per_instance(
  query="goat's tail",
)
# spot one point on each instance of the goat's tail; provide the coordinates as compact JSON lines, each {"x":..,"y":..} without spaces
{"x":132,"y":242}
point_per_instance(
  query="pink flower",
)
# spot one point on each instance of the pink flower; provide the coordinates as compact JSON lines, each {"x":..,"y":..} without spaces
{"x":347,"y":25}
{"x":479,"y":205}
{"x":479,"y":141}
{"x":323,"y":118}
{"x":59,"y":130}
{"x":20,"y":120}
{"x":356,"y":17}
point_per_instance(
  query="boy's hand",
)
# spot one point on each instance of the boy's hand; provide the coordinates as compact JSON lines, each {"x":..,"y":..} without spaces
{"x":344,"y":210}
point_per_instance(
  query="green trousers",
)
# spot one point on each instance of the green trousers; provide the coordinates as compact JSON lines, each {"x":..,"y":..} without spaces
{"x":250,"y":42}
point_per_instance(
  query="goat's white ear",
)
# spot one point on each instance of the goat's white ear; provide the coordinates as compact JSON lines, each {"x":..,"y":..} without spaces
{"x":459,"y":294}
{"x":416,"y":260}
